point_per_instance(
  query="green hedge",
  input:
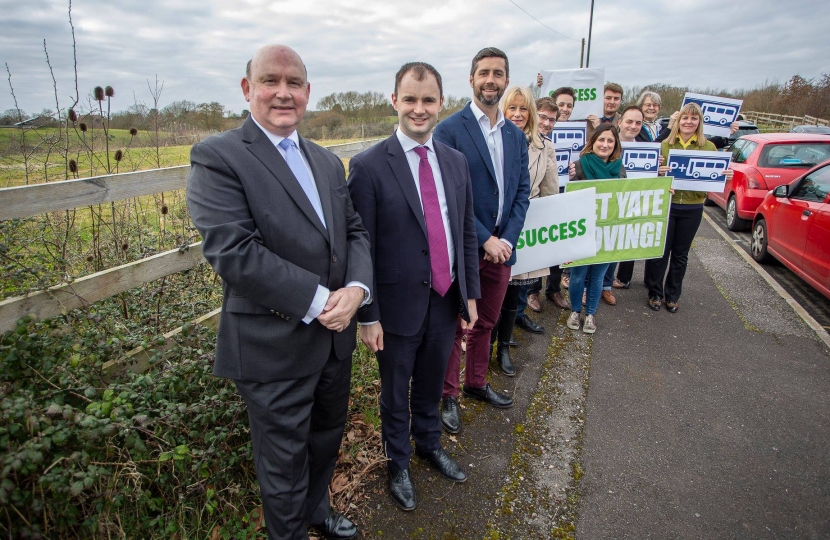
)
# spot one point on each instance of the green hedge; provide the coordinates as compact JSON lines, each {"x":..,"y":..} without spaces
{"x":165,"y":454}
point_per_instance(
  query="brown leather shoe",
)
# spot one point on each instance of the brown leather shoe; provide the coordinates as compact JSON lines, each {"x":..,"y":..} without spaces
{"x":533,"y":302}
{"x":559,"y":301}
{"x":608,"y":298}
{"x":565,"y":281}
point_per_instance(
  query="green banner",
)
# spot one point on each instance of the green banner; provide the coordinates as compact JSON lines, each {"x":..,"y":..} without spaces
{"x":632,"y":214}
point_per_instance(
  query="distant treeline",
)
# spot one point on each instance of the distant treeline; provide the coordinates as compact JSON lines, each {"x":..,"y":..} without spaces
{"x":344,"y":115}
{"x":797,"y":97}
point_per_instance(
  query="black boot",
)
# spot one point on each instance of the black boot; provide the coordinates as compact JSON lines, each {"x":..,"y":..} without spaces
{"x":505,"y":326}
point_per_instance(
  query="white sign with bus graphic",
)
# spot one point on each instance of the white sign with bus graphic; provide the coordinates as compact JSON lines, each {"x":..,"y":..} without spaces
{"x":569,"y":139}
{"x":640,"y":159}
{"x":698,"y":170}
{"x":718,"y":112}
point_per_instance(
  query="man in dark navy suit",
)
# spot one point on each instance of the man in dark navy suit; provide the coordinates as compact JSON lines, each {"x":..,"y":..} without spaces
{"x":496,"y":153}
{"x":415,"y":198}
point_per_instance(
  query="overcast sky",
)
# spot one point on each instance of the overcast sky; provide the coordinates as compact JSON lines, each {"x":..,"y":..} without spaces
{"x":199,"y":48}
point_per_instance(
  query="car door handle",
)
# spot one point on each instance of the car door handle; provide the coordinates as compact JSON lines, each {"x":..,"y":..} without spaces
{"x":806,"y":213}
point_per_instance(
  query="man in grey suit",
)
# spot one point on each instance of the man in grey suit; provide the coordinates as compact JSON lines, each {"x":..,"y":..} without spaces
{"x":278,"y":226}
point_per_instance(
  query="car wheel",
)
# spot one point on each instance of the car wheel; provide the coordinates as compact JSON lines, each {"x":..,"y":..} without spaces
{"x":709,"y":202}
{"x":733,"y":222}
{"x":758,"y":245}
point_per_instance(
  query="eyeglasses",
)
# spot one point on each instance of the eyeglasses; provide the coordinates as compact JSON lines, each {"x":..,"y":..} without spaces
{"x":544,"y":118}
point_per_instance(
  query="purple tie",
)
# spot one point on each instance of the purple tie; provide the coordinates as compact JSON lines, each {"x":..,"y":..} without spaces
{"x":439,"y":260}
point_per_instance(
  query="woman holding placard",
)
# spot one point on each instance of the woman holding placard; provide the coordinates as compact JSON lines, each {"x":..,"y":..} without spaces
{"x":684,"y":216}
{"x":519,"y":107}
{"x":600,"y":159}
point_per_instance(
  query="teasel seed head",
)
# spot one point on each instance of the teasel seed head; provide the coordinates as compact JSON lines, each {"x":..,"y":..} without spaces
{"x":72,"y":115}
{"x":125,"y":246}
{"x":109,"y":91}
{"x":83,"y":127}
{"x":73,"y":166}
{"x":164,"y":209}
{"x":98,"y":93}
{"x":133,"y":132}
{"x":119,"y":155}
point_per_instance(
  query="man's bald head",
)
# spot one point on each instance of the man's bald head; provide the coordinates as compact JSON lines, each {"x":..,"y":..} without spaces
{"x":276,"y":86}
{"x":276,"y":50}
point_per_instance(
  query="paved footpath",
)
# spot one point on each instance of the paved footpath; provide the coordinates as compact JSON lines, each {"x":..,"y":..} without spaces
{"x":713,"y":422}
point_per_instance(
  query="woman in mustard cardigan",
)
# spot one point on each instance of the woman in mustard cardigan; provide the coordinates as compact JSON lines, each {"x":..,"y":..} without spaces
{"x":684,"y":216}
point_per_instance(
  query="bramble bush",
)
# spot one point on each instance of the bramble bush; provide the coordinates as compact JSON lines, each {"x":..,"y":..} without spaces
{"x":164,"y":454}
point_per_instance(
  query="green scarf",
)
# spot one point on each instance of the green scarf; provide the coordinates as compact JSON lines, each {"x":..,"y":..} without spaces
{"x":595,"y":168}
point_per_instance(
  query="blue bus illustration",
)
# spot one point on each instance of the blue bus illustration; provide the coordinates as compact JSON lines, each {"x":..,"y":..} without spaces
{"x":718,"y":113}
{"x":640,"y":159}
{"x":563,"y":158}
{"x":701,"y":168}
{"x":575,"y":138}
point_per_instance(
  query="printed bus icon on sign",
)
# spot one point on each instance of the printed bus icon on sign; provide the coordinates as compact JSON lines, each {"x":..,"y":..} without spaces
{"x":711,"y":168}
{"x":563,"y":157}
{"x":575,"y":138}
{"x":640,"y":159}
{"x":716,"y":113}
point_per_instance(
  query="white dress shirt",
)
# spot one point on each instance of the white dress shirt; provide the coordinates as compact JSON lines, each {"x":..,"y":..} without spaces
{"x":322,"y":294}
{"x":414,"y":162}
{"x":495,"y":144}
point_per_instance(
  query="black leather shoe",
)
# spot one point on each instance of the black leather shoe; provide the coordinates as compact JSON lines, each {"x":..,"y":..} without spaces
{"x":450,"y":419}
{"x":337,"y":527}
{"x":513,"y":342}
{"x":526,"y":324}
{"x":400,"y":487}
{"x":445,"y":465}
{"x":488,"y":395}
{"x":505,"y":363}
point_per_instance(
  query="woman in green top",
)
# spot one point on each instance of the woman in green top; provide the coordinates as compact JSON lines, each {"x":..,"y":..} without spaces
{"x":600,"y":159}
{"x":684,"y":216}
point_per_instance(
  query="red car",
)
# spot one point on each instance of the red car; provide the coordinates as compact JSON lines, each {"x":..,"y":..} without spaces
{"x":793,"y":225}
{"x":762,"y":162}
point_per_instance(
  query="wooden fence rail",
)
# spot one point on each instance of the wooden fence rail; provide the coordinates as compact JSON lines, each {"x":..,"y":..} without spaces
{"x":26,"y":201}
{"x":784,"y":120}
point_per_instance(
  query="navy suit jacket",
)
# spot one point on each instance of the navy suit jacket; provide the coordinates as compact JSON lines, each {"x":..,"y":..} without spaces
{"x":461,"y":131}
{"x":384,"y":194}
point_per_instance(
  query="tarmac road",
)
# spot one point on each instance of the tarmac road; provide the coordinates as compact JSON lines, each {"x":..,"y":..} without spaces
{"x":713,"y":422}
{"x":816,"y":304}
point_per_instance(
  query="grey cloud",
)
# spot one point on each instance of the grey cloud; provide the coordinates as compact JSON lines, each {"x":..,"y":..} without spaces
{"x":199,"y":50}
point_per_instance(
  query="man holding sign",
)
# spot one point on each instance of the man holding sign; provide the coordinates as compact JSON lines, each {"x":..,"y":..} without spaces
{"x":684,"y":217}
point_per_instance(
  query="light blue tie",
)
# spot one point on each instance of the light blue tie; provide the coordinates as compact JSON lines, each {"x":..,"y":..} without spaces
{"x":297,"y":166}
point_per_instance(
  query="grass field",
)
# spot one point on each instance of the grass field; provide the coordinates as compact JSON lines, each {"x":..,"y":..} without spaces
{"x":138,"y":154}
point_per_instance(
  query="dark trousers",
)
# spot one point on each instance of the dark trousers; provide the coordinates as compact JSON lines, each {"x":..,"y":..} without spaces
{"x":494,"y":278}
{"x":553,"y":280}
{"x":625,"y":271}
{"x":682,"y":227}
{"x":422,"y":361}
{"x":296,"y":428}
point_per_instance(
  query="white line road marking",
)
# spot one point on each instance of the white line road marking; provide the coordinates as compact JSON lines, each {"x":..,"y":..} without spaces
{"x":811,"y":322}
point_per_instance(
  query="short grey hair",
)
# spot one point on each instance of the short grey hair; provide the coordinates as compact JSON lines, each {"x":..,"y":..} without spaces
{"x":655,"y":97}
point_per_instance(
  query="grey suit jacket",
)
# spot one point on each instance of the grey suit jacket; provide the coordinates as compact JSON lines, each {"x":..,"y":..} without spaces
{"x":264,"y":239}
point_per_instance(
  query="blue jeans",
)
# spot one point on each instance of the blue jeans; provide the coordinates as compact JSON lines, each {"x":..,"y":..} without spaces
{"x":520,"y":309}
{"x":608,"y":279}
{"x":587,"y":278}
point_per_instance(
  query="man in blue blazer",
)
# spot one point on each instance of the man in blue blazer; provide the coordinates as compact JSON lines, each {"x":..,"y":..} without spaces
{"x":496,"y":153}
{"x":415,"y":198}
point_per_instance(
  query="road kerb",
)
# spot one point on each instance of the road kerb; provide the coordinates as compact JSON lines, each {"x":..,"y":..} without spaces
{"x":811,"y":322}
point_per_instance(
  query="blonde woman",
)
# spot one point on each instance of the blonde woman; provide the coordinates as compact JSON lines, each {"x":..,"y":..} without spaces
{"x":684,"y":217}
{"x":519,"y":107}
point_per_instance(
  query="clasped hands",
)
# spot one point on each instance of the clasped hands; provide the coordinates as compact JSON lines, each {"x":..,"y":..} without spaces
{"x":340,"y":308}
{"x":496,"y":251}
